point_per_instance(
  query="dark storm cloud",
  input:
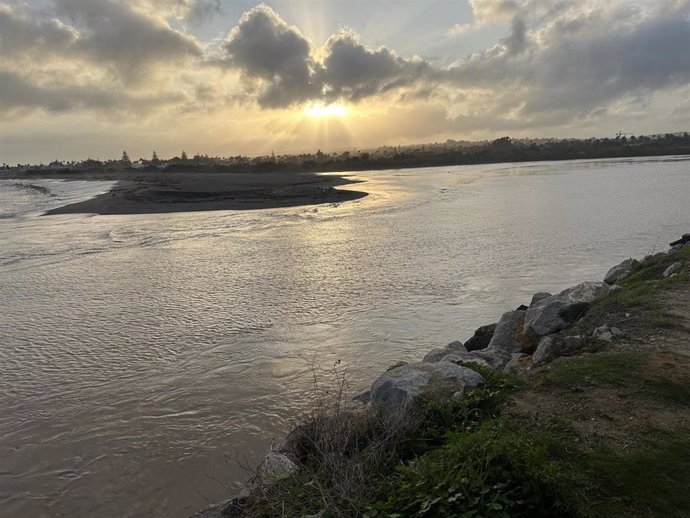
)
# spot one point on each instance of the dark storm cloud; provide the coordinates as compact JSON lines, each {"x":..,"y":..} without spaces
{"x":353,"y":71}
{"x":263,"y":46}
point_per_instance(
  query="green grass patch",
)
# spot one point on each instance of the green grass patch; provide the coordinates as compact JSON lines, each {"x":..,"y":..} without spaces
{"x":641,"y":290}
{"x":492,"y":471}
{"x":672,"y":392}
{"x":603,"y":369}
{"x":667,"y":383}
{"x":649,"y":482}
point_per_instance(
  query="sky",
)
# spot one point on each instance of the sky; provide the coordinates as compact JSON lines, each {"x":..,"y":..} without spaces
{"x":91,"y":78}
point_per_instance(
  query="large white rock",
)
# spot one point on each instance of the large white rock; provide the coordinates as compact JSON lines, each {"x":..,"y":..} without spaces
{"x":275,"y":467}
{"x":621,"y":271}
{"x":546,"y":317}
{"x":674,"y":268}
{"x":396,"y":388}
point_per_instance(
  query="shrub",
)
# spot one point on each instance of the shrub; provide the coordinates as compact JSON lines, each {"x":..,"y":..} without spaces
{"x":492,"y":471}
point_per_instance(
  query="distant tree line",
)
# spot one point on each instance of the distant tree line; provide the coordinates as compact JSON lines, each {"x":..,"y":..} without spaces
{"x":449,"y":153}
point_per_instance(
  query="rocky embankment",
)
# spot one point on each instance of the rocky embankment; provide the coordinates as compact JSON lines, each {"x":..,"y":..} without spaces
{"x":522,"y":342}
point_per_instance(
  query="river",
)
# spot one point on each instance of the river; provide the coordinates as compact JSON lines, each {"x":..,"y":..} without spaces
{"x":142,"y":356}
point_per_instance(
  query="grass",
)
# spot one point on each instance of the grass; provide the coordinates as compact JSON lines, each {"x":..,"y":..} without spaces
{"x":605,"y":369}
{"x":448,"y":457}
{"x":492,"y":470}
{"x":647,"y":482}
{"x":345,"y":455}
{"x":642,"y":293}
{"x":637,"y":372}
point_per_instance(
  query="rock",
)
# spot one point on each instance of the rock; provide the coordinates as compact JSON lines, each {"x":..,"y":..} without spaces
{"x":616,"y":331}
{"x":447,"y":370}
{"x":493,"y":358}
{"x":547,"y":350}
{"x":538,"y":297}
{"x":674,"y":268}
{"x":364,"y":397}
{"x":679,"y":246}
{"x":504,"y":340}
{"x":481,"y":338}
{"x":274,"y":468}
{"x":467,"y":359}
{"x":459,"y":394}
{"x":527,"y":339}
{"x":683,"y":240}
{"x":522,"y":307}
{"x":572,"y":345}
{"x":457,"y":345}
{"x":396,"y":365}
{"x":554,"y":346}
{"x":549,"y":315}
{"x":395,"y":389}
{"x":650,"y":260}
{"x":621,"y":271}
{"x":615,"y":288}
{"x":436,"y":355}
{"x":506,"y":331}
{"x":603,"y":333}
{"x":513,"y":366}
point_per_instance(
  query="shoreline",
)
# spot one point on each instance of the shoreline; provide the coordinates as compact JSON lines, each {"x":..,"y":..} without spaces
{"x":160,"y":192}
{"x":533,"y":369}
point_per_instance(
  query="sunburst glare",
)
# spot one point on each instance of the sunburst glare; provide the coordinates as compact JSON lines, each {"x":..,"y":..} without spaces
{"x":321,"y":110}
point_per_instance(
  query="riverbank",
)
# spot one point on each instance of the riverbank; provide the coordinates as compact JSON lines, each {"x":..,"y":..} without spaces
{"x":574,"y":405}
{"x":152,"y":192}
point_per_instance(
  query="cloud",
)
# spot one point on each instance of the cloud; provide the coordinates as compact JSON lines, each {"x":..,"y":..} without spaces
{"x":20,"y":34}
{"x":106,"y":34}
{"x":580,"y":59}
{"x":555,"y":63}
{"x":114,"y":33}
{"x":353,"y":71}
{"x":21,"y":95}
{"x":265,"y":48}
{"x":490,"y":11}
{"x":199,"y":11}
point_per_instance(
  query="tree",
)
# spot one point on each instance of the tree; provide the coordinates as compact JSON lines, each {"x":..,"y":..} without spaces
{"x":154,"y":158}
{"x":125,"y":159}
{"x":184,"y":155}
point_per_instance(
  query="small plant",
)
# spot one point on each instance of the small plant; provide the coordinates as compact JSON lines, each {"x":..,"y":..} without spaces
{"x":492,"y":471}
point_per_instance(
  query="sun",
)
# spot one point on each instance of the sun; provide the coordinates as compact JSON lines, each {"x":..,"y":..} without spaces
{"x":320,"y":110}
